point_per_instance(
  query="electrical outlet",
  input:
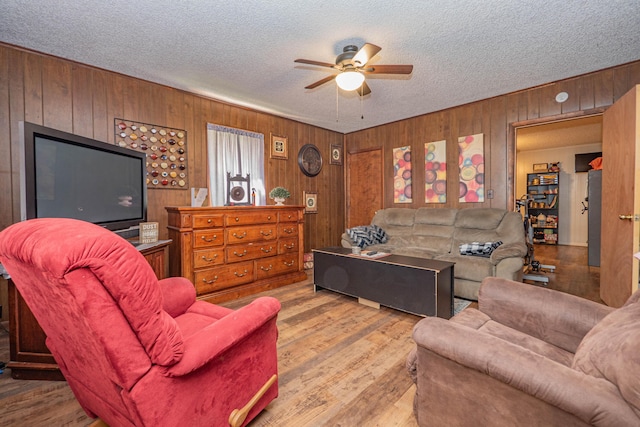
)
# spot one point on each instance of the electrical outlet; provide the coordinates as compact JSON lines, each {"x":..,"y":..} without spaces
{"x":489,"y":194}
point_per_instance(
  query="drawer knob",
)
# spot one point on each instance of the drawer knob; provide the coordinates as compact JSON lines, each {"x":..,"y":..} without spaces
{"x":237,"y":219}
{"x":240,"y":255}
{"x":269,"y":217}
{"x":209,"y":221}
{"x":209,"y":259}
{"x":208,"y":282}
{"x":263,"y":268}
{"x":267,"y":250}
{"x":289,"y":264}
{"x":240,"y":274}
{"x":266,"y":233}
{"x":215,"y":236}
{"x":240,"y":236}
{"x":289,"y":230}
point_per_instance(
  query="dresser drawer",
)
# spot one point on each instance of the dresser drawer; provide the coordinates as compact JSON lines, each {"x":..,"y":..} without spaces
{"x":251,"y":218}
{"x":207,"y":258}
{"x":223,"y":277}
{"x":207,"y":238}
{"x":208,"y":221}
{"x":237,"y":253}
{"x":289,"y":216}
{"x":287,"y":230}
{"x":251,"y":234}
{"x":277,"y":265}
{"x":286,"y":246}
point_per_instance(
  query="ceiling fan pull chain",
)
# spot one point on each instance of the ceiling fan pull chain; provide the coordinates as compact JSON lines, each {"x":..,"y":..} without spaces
{"x":361,"y":102}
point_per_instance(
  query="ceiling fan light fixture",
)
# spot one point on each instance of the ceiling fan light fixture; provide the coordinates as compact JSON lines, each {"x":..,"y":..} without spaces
{"x":349,"y":80}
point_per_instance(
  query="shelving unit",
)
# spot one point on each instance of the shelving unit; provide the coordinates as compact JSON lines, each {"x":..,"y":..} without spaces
{"x":543,"y":209}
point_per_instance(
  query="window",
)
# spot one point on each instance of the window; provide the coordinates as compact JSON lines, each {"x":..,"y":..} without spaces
{"x":235,"y":152}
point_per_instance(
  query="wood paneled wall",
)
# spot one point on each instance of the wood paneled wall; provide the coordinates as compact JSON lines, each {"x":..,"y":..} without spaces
{"x":84,"y":100}
{"x":496,"y":119}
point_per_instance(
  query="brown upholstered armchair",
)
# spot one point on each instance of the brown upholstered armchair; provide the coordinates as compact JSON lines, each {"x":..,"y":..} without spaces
{"x":137,"y":351}
{"x":529,"y":356}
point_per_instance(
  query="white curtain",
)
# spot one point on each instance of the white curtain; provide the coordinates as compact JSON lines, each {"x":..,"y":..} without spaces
{"x":222,"y":151}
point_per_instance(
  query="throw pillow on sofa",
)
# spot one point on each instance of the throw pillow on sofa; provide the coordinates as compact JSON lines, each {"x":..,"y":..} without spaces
{"x":367,"y":235}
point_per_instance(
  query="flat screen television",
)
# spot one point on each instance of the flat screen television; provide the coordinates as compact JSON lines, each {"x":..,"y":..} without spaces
{"x":70,"y":176}
{"x":582,"y":161}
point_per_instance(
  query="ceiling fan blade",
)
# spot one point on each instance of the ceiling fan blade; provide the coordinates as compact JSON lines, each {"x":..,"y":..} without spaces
{"x":364,"y":89}
{"x":310,"y":62}
{"x":320,"y":82}
{"x":388,"y":69}
{"x":365,"y":53}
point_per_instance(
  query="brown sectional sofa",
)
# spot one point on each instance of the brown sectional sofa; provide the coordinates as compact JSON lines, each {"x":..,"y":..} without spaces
{"x":437,"y":233}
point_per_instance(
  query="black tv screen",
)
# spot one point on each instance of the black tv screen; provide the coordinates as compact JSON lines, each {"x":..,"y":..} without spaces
{"x":69,"y":176}
{"x":582,"y":161}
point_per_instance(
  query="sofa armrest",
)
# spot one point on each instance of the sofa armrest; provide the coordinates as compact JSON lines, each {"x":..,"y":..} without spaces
{"x":555,"y":317}
{"x":508,"y":250}
{"x":593,"y":400}
{"x":178,"y":294}
{"x":213,"y":340}
{"x":346,"y":241}
{"x":411,"y":364}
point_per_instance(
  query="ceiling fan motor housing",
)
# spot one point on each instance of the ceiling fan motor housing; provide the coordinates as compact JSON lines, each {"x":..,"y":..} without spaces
{"x":348,"y":52}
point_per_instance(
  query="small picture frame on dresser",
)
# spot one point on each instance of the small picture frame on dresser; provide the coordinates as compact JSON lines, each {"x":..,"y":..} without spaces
{"x":148,"y":232}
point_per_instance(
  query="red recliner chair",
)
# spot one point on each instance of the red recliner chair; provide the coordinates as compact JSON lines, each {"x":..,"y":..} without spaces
{"x":137,"y":351}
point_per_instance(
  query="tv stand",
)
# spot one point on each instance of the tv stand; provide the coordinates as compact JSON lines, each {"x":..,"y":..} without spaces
{"x":30,"y":359}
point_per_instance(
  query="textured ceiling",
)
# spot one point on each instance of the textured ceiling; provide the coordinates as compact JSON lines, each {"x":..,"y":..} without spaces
{"x":243,"y":52}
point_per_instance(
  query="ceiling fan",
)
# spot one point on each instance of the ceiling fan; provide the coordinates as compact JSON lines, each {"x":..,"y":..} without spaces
{"x":352,"y":64}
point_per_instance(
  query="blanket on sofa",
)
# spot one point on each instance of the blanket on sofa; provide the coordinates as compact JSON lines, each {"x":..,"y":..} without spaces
{"x":367,"y":235}
{"x":479,"y":249}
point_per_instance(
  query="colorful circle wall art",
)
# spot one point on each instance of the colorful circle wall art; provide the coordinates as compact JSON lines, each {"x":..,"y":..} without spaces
{"x":402,"y":175}
{"x":471,"y":164}
{"x":435,"y":172}
{"x":165,"y":149}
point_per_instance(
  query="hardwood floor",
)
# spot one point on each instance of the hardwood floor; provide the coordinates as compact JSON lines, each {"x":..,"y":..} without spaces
{"x":340,"y":363}
{"x":572,"y":273}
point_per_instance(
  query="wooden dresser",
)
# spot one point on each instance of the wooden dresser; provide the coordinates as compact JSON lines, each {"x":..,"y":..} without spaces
{"x":233,"y":251}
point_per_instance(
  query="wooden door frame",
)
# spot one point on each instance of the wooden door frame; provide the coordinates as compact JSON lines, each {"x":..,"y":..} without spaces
{"x":347,"y":180}
{"x":511,"y":144}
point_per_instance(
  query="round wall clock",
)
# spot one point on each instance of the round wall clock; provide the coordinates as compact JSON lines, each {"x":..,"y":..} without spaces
{"x":310,"y":160}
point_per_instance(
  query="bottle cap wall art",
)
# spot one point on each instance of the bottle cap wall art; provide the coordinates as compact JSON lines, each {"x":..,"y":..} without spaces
{"x":166,"y":151}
